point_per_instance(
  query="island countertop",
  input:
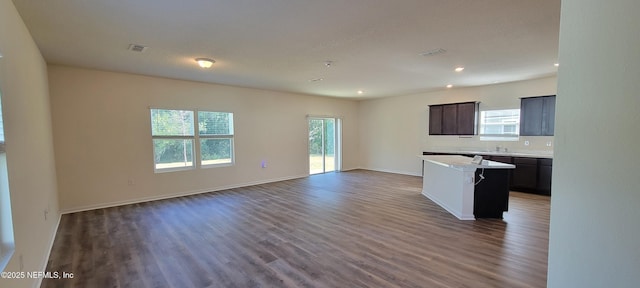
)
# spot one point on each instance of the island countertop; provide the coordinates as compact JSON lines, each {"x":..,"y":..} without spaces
{"x":463,"y":163}
{"x":528,"y":154}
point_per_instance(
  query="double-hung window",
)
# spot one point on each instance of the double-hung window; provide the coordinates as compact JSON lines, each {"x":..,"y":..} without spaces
{"x":216,"y":138}
{"x":176,"y":144}
{"x":173,"y":139}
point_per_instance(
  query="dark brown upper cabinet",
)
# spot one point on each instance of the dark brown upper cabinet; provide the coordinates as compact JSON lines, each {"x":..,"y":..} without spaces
{"x":435,"y":120}
{"x":537,"y":116}
{"x":453,"y":119}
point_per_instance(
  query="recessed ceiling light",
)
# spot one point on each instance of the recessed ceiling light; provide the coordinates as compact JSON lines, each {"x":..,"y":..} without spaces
{"x":459,"y":69}
{"x":556,"y":64}
{"x":449,"y":86}
{"x":360,"y":92}
{"x":205,"y":62}
{"x":316,"y":79}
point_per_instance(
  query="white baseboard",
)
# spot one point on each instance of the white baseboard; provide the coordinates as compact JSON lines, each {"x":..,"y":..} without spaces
{"x":174,"y":195}
{"x":350,"y":169}
{"x":394,"y":171}
{"x":38,"y":282}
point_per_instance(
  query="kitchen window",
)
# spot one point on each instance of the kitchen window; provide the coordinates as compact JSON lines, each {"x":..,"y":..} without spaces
{"x":500,"y":125}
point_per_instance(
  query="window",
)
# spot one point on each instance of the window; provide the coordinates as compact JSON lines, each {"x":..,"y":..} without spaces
{"x":216,"y":138}
{"x":500,"y":124}
{"x":7,"y":244}
{"x":173,"y":139}
{"x":175,"y":142}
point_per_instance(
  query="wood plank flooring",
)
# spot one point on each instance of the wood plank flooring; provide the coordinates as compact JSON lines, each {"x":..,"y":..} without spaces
{"x":349,"y":229}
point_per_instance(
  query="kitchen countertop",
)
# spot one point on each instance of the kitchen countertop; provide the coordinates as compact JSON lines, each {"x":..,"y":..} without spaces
{"x":463,"y":163}
{"x":531,"y":154}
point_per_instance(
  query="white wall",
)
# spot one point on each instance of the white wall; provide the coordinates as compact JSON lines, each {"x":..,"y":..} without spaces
{"x":103,"y":138}
{"x":595,"y":209}
{"x":29,"y":145}
{"x":393,"y":131}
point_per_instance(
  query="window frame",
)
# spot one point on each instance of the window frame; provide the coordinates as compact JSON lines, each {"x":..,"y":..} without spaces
{"x":173,"y":137}
{"x":7,"y":240}
{"x":196,"y":138}
{"x":201,"y":137}
{"x":498,"y":137}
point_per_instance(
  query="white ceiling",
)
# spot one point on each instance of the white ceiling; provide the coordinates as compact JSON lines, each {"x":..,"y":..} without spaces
{"x":375,"y":45}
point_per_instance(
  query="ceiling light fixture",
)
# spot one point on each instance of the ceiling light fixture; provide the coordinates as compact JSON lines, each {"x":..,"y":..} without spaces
{"x":205,"y":62}
{"x":449,"y":85}
{"x":556,"y":64}
{"x":459,"y":69}
{"x":360,"y":92}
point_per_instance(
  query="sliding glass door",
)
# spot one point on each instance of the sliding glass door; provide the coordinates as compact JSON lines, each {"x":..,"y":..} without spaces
{"x":323,"y":145}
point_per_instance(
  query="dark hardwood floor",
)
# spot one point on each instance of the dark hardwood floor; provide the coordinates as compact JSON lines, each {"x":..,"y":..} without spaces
{"x":349,"y":229}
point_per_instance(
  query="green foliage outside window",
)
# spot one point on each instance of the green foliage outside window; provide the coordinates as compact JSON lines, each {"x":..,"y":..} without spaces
{"x":171,"y":153}
{"x":216,"y":130}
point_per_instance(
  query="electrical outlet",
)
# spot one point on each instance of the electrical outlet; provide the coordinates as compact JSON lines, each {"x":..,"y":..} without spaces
{"x":526,"y":143}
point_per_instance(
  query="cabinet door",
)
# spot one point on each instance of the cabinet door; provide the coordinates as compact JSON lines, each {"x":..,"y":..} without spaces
{"x":466,"y":118}
{"x":449,"y":119}
{"x":508,"y":160}
{"x":491,"y":195}
{"x":548,"y":115}
{"x":526,"y":173}
{"x":435,"y":120}
{"x":544,"y":176}
{"x":531,"y":116}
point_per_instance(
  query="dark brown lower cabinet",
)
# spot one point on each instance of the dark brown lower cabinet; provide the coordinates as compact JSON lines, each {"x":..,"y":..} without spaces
{"x":525,"y":176}
{"x":544,"y":176}
{"x":491,"y":194}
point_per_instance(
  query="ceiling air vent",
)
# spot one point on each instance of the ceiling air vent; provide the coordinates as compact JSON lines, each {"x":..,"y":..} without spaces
{"x":433,"y":52}
{"x":137,"y":48}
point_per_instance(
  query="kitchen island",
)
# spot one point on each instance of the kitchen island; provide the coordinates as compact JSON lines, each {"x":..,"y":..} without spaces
{"x":466,"y":190}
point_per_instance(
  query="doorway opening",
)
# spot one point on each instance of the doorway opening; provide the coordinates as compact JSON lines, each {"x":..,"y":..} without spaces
{"x":324,"y":145}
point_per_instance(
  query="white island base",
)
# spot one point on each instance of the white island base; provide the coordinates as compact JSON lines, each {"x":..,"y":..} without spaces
{"x":449,"y":181}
